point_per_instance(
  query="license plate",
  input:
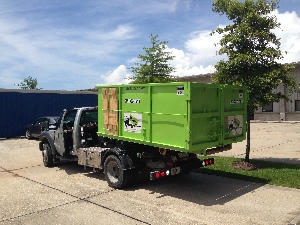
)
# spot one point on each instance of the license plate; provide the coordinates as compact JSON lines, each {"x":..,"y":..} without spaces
{"x":175,"y":170}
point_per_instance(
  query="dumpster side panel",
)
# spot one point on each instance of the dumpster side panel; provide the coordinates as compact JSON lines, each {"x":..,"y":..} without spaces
{"x":205,"y":116}
{"x":169,"y":115}
{"x":235,"y":113}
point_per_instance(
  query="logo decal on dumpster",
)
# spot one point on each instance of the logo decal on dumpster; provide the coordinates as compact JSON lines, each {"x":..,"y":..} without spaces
{"x":133,"y":122}
{"x":235,"y":124}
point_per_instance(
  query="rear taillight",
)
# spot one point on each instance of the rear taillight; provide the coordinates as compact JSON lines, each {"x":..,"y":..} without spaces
{"x":207,"y":162}
{"x":159,"y":174}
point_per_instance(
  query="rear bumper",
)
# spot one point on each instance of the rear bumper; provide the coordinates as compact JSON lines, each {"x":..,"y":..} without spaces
{"x":185,"y":168}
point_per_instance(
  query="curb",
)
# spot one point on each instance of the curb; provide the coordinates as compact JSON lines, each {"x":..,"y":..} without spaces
{"x":295,"y":221}
{"x":274,"y":121}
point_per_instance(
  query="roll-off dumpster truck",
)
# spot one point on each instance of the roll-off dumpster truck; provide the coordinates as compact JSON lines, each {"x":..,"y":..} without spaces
{"x":156,"y":129}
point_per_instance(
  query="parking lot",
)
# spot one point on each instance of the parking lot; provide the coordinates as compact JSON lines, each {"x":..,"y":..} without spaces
{"x":68,"y":194}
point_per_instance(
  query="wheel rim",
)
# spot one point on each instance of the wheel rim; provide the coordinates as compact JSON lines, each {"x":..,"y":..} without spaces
{"x":45,"y":156}
{"x":27,"y":134}
{"x":45,"y":152}
{"x":113,"y":171}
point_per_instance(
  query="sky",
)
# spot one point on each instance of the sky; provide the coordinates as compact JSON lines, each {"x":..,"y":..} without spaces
{"x":75,"y":44}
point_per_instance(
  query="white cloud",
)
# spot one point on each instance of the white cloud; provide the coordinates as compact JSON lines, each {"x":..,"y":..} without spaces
{"x":47,"y":53}
{"x":174,"y":5}
{"x":118,"y":76}
{"x":195,"y":70}
{"x":289,"y":33}
{"x":186,"y":66}
{"x":155,"y":7}
{"x":199,"y":55}
{"x":121,"y":32}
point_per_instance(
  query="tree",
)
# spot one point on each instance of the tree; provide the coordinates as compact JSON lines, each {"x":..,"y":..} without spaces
{"x":154,"y":67}
{"x":253,"y":52}
{"x":29,"y":83}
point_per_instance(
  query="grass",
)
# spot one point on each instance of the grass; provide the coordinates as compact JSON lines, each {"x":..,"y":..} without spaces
{"x":280,"y":174}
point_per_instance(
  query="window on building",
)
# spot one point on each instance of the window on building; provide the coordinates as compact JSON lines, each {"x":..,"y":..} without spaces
{"x":268,"y":108}
{"x":297,"y":105}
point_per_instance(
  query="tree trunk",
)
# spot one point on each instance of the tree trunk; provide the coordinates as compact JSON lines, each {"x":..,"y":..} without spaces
{"x":247,"y":157}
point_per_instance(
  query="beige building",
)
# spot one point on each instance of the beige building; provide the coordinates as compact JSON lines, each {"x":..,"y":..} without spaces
{"x":281,"y":111}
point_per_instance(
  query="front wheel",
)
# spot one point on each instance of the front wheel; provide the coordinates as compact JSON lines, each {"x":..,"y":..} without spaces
{"x":114,"y":172}
{"x":47,"y":155}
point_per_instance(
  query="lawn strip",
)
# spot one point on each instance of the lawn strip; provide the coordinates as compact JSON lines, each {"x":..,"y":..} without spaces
{"x":274,"y":173}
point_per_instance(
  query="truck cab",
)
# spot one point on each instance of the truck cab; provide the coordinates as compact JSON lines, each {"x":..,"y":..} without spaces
{"x":77,"y":128}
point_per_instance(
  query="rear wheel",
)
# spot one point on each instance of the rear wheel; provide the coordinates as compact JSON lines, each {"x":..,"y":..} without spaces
{"x":47,"y":155}
{"x":114,"y":172}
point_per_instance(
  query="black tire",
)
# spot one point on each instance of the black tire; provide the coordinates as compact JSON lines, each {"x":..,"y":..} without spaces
{"x":27,"y":134}
{"x":47,"y":155}
{"x":114,"y":172}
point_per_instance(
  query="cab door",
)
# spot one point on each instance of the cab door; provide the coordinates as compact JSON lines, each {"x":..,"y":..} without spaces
{"x":59,"y":137}
{"x":64,"y":134}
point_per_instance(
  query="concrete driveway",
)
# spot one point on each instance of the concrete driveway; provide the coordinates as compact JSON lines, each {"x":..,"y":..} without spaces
{"x":67,"y":194}
{"x":273,"y":141}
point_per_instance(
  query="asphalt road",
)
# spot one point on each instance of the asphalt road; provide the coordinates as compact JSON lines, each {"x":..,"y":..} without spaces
{"x":67,"y":194}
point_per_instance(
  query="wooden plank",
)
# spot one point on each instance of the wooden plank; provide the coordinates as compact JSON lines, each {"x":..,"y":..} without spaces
{"x":110,"y":110}
{"x":105,"y":107}
{"x":113,"y":99}
{"x":105,"y":98}
{"x":113,"y":113}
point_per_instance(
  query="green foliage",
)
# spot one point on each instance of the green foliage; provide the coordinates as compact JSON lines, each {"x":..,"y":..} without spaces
{"x":274,"y":173}
{"x":253,"y":51}
{"x":29,"y":83}
{"x":154,"y":67}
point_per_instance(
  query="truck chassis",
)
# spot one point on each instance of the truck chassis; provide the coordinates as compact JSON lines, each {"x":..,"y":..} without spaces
{"x":121,"y":161}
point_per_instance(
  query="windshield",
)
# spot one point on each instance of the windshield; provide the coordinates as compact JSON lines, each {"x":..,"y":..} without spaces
{"x":89,"y":117}
{"x":53,"y":120}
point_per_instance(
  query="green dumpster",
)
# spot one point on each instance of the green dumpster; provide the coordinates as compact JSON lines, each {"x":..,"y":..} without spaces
{"x":183,"y":116}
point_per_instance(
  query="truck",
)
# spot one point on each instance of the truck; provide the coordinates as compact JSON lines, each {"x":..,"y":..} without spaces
{"x":157,"y":130}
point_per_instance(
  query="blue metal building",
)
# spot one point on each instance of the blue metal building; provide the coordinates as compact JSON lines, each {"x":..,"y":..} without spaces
{"x":20,"y":107}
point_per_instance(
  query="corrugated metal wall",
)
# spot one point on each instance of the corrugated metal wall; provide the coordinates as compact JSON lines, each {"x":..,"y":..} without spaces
{"x":20,"y":107}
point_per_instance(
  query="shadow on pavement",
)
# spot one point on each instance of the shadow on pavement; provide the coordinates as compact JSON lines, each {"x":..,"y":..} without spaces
{"x":198,"y":188}
{"x":72,"y":167}
{"x":295,"y":161}
{"x":202,"y":189}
